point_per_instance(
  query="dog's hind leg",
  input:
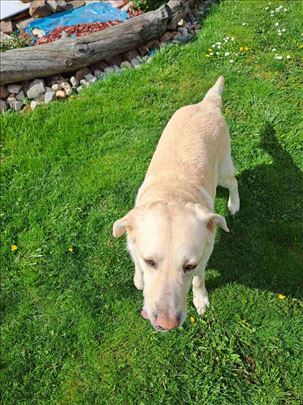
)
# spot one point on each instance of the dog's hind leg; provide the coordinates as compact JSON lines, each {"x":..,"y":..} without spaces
{"x":228,"y":180}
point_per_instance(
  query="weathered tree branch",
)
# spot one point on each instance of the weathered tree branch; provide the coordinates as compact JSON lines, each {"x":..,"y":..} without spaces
{"x":67,"y":55}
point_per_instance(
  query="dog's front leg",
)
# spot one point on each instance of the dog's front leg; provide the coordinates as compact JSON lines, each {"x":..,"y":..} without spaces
{"x":138,"y":278}
{"x":200,"y":300}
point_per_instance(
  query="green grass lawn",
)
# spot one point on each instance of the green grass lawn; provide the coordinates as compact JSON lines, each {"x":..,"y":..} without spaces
{"x":71,"y":326}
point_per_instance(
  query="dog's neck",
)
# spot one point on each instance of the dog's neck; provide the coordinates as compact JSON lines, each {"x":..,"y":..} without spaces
{"x":151,"y":193}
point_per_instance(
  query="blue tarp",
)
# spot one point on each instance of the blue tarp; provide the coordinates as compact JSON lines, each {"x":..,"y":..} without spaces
{"x":92,"y":13}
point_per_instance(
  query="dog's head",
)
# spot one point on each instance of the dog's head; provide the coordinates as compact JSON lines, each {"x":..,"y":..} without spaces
{"x":170,"y":244}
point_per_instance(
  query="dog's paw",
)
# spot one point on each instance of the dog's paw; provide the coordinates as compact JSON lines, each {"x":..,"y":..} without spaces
{"x":201,"y":303}
{"x":138,"y":281}
{"x":233,"y":206}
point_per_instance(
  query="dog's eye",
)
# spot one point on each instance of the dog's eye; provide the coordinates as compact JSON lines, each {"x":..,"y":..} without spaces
{"x":188,"y":267}
{"x":150,"y":262}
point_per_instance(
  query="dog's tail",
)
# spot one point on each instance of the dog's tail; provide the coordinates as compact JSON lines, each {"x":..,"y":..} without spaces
{"x":214,"y":93}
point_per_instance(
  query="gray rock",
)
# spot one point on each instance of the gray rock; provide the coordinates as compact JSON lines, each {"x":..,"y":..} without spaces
{"x":15,"y":104}
{"x":126,"y":65}
{"x":84,"y":83}
{"x":90,"y":78}
{"x":14,"y":88}
{"x":74,"y":81}
{"x":49,"y":96}
{"x":35,"y":89}
{"x":3,"y":106}
{"x":11,"y":100}
{"x":69,"y":92}
{"x":40,"y":99}
{"x":136,"y":63}
{"x":18,"y":105}
{"x":116,"y":68}
{"x":20,"y":96}
{"x":57,"y":5}
{"x":98,"y":73}
{"x":55,"y":87}
{"x":65,"y":86}
{"x":79,"y":89}
{"x":109,"y":69}
{"x":75,"y":4}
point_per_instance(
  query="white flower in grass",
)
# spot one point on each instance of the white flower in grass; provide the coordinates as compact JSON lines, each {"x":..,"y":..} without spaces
{"x":233,"y":38}
{"x":279,"y":57}
{"x":279,"y":33}
{"x":217,"y":53}
{"x":285,"y":10}
{"x":266,"y":8}
{"x":283,"y":29}
{"x":227,"y":54}
{"x":276,"y":24}
{"x":244,"y":24}
{"x":211,"y":54}
{"x":273,"y":49}
{"x":288,"y":57}
{"x":231,"y":61}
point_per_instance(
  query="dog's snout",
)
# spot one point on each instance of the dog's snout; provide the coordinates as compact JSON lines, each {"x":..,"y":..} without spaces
{"x":167,"y":323}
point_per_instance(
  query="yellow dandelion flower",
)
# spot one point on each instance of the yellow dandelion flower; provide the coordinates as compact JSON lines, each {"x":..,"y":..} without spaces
{"x":207,"y":56}
{"x":246,"y":48}
{"x":14,"y":248}
{"x":281,"y":296}
{"x":71,"y":249}
{"x":209,"y":49}
{"x":301,"y":46}
{"x":241,"y":49}
{"x":192,"y":319}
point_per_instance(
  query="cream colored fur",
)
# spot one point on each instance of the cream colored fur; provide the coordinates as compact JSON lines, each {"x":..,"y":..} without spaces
{"x":173,"y":223}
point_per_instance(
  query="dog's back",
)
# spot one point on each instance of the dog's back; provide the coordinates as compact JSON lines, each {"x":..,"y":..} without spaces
{"x":192,"y":144}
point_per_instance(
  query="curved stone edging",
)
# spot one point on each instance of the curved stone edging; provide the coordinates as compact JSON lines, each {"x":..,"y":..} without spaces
{"x":28,"y":95}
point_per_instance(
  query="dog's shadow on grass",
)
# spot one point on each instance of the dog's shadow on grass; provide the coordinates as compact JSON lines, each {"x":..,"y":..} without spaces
{"x":264,"y":247}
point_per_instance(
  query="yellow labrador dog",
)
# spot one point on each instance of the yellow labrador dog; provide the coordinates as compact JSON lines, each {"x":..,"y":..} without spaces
{"x":171,"y":230}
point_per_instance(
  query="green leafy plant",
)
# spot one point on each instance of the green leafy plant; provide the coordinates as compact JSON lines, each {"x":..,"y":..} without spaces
{"x":14,"y":41}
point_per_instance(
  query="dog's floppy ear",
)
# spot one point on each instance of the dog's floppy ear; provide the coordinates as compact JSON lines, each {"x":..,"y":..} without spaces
{"x":210,"y":218}
{"x":216,"y":219}
{"x":122,"y":225}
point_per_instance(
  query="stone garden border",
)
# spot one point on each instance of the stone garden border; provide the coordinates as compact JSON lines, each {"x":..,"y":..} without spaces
{"x":67,"y":66}
{"x":67,"y":55}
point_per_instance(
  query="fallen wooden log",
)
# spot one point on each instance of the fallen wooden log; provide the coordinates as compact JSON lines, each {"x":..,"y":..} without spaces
{"x":67,"y":55}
